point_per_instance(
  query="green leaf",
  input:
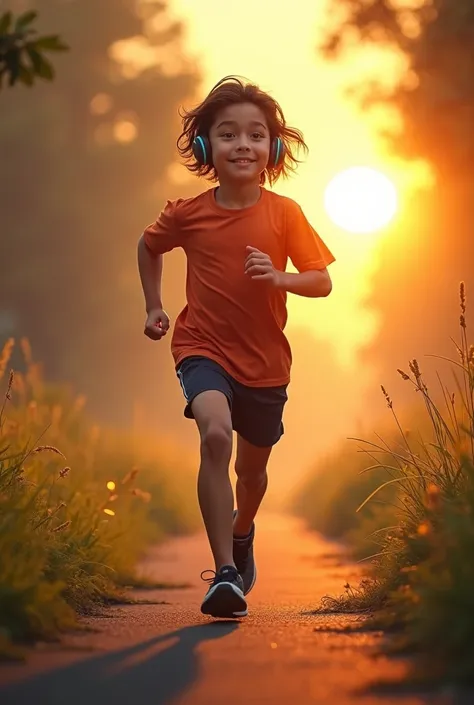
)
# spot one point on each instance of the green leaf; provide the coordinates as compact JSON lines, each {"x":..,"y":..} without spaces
{"x":45,"y":71}
{"x":5,"y":22}
{"x":51,"y":43}
{"x":26,"y":76}
{"x":25,"y":19}
{"x":35,"y":58}
{"x":12,"y":64}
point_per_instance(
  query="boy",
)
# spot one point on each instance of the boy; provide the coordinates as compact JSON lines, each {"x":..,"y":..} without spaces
{"x":231,"y":355}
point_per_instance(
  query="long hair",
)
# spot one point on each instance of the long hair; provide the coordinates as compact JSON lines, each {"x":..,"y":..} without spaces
{"x":230,"y":91}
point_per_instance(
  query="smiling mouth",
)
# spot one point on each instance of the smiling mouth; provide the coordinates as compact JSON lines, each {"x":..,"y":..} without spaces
{"x":243,"y":161}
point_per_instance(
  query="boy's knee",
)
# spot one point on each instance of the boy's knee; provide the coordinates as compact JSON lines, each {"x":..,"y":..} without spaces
{"x":216,"y":440}
{"x":252,"y":477}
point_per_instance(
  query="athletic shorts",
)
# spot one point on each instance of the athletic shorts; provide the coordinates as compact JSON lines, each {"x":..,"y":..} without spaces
{"x":256,"y":412}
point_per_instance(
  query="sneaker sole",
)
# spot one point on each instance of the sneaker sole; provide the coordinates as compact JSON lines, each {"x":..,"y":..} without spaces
{"x":224,"y":601}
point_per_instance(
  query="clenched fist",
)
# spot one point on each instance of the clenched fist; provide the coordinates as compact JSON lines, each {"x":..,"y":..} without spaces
{"x":157,"y":324}
{"x":259,"y":266}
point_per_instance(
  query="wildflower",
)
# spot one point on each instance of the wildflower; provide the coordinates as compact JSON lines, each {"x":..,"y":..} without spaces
{"x":110,"y":512}
{"x":111,"y":485}
{"x":65,"y":471}
{"x":433,"y":496}
{"x":424,"y":529}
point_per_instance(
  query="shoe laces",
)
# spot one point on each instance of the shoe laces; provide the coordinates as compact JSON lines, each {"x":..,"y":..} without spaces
{"x":219,"y":577}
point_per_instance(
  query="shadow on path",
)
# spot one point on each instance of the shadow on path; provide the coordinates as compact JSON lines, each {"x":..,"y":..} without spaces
{"x":153,"y":672}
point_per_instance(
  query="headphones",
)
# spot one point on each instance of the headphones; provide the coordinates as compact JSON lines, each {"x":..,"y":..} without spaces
{"x":202,"y":151}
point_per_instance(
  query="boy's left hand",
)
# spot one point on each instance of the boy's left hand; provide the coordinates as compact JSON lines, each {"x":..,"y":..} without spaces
{"x":259,"y":266}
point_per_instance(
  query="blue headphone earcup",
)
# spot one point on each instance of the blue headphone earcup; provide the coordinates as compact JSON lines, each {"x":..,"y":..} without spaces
{"x":202,"y":150}
{"x":277,"y":153}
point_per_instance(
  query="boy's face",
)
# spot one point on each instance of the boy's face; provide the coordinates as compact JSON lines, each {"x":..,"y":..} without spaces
{"x":240,"y":142}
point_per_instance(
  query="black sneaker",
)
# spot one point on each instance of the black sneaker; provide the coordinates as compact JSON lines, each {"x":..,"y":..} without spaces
{"x":225,"y":597}
{"x":244,"y":559}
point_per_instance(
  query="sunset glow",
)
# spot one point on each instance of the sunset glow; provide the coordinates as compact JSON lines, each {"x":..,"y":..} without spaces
{"x":360,"y":200}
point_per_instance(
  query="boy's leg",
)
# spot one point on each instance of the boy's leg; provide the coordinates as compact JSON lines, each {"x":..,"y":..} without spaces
{"x":257,"y":417}
{"x":252,"y":480}
{"x":213,"y":417}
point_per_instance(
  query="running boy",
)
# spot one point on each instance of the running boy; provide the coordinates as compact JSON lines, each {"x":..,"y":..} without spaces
{"x":231,"y":355}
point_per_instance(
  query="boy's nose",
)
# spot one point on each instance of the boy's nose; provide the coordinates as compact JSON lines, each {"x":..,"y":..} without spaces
{"x":243,"y":145}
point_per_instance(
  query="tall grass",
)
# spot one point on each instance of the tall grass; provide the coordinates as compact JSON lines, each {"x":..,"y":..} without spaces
{"x":420,"y":580}
{"x":78,"y":505}
{"x":329,"y":498}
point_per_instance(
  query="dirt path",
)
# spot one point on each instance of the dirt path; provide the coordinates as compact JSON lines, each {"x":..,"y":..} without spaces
{"x":170,"y":654}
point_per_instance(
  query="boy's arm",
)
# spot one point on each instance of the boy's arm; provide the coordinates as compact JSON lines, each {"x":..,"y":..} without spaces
{"x":309,"y":254}
{"x":158,"y":238}
{"x":313,"y":283}
{"x":150,"y":267}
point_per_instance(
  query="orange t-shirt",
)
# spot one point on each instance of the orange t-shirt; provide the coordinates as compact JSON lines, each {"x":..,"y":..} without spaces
{"x":229,"y":317}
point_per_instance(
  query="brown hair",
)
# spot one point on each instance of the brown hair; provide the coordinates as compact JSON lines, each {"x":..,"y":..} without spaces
{"x":229,"y":91}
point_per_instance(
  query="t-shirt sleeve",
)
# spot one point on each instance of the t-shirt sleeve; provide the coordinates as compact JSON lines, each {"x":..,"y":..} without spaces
{"x":164,"y":234}
{"x":305,"y":247}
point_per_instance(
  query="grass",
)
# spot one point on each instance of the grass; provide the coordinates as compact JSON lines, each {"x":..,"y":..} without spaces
{"x":79,"y":505}
{"x":419,"y":582}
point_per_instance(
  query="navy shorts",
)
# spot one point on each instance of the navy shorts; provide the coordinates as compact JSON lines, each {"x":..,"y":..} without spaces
{"x":256,"y":411}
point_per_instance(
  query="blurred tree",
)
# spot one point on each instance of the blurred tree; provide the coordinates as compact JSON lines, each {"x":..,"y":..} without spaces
{"x":85,"y":166}
{"x":22,"y":53}
{"x":416,"y":285}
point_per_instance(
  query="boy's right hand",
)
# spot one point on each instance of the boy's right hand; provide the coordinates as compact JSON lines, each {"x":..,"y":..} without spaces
{"x":157,"y":324}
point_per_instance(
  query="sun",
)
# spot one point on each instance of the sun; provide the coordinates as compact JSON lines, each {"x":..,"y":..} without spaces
{"x":361,"y":200}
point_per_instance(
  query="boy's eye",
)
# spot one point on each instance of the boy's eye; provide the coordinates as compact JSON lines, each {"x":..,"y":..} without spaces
{"x":257,"y":136}
{"x":228,"y":135}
